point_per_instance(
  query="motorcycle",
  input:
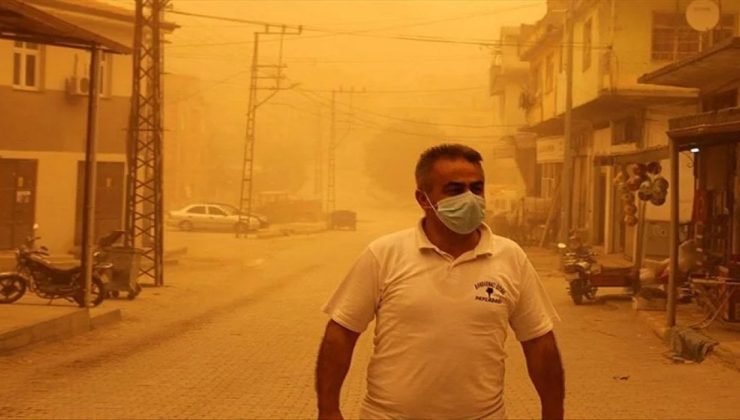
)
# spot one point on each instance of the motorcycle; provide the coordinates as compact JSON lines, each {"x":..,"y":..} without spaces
{"x":35,"y":272}
{"x":585,"y":275}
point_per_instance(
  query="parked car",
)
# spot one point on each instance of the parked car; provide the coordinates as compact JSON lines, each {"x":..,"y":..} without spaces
{"x":213,"y":216}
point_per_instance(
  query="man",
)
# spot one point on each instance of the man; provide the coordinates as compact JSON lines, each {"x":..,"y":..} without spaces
{"x":443,"y":295}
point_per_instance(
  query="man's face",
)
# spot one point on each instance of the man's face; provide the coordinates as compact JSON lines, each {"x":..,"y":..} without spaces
{"x":450,"y":177}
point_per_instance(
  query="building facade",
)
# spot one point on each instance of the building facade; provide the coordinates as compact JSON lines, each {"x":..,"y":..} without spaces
{"x":43,"y":107}
{"x":617,"y":122}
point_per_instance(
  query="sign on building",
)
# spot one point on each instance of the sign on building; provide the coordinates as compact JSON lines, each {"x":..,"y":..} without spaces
{"x":550,"y":149}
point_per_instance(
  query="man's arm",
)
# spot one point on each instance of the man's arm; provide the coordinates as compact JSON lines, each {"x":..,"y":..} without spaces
{"x":335,"y":356}
{"x":546,"y":372}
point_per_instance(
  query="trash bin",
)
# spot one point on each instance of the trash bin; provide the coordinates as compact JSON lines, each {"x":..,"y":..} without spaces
{"x":125,"y":272}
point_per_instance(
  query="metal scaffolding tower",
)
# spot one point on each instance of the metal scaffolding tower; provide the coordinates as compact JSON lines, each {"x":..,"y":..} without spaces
{"x":265,"y":77}
{"x":144,"y":204}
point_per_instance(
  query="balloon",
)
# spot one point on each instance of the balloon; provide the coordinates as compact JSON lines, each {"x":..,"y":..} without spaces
{"x":633,"y":184}
{"x":661,"y":183}
{"x":658,"y":200}
{"x":639,"y":169}
{"x":654,"y":168}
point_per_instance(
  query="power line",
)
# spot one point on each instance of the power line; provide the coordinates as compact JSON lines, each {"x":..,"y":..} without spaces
{"x":411,"y":121}
{"x":365,"y":32}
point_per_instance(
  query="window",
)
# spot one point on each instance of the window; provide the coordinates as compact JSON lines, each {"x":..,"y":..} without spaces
{"x":197,"y":210}
{"x":26,"y":65}
{"x":626,"y":130}
{"x":536,"y":85}
{"x":216,"y":211}
{"x":587,"y":44}
{"x":674,"y":39}
{"x":549,"y":70}
{"x":104,"y":76}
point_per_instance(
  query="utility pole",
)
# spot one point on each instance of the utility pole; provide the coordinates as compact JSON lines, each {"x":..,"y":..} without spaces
{"x":144,"y":196}
{"x":318,"y":170}
{"x":331,"y":183}
{"x":271,"y":82}
{"x":566,"y":184}
{"x":331,"y":171}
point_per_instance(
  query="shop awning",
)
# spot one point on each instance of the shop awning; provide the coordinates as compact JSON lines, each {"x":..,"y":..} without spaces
{"x":706,"y":70}
{"x":638,"y":156}
{"x":612,"y":105}
{"x":23,"y":22}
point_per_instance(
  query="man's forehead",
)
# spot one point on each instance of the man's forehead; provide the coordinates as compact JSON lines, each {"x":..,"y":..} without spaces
{"x":456,"y":169}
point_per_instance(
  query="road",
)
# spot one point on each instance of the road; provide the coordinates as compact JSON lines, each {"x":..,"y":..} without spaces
{"x":235,"y":334}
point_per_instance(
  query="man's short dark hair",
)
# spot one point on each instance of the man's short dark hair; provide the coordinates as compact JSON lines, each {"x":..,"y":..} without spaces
{"x":442,"y":151}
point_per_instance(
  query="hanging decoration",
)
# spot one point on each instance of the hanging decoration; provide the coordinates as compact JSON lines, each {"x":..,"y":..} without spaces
{"x":641,"y":181}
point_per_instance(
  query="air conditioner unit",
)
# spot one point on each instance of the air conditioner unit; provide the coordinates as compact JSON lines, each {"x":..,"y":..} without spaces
{"x":78,"y":86}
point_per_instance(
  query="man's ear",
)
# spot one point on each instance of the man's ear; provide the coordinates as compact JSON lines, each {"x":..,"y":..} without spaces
{"x":422,"y":199}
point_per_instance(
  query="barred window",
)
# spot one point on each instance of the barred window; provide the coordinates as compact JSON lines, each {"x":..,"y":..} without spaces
{"x":673,"y":38}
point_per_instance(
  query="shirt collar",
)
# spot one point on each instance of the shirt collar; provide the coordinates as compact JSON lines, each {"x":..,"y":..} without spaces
{"x":484,"y":247}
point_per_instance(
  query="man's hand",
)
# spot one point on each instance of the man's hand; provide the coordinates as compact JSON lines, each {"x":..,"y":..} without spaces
{"x":546,"y":372}
{"x":335,"y":357}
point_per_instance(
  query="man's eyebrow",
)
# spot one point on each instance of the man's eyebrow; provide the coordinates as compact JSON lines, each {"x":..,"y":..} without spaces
{"x":462,"y":184}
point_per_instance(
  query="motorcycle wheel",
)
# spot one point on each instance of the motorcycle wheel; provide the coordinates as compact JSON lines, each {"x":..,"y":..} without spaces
{"x":12,"y":288}
{"x":577,"y":291}
{"x":97,"y":294}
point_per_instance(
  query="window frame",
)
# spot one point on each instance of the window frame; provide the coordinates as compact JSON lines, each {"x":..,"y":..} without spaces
{"x":19,"y":74}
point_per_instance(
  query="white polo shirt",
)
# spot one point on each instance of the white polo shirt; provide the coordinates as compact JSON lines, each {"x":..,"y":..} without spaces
{"x":441,"y":323}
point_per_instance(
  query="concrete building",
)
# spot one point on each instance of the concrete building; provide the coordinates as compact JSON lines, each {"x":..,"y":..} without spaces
{"x":42,"y":124}
{"x":43,"y":108}
{"x":510,"y":168}
{"x":711,"y":136}
{"x":616,"y":121}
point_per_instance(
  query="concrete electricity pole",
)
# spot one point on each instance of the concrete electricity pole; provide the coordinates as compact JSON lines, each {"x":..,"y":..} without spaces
{"x":566,"y":184}
{"x":331,"y":184}
{"x":274,"y":78}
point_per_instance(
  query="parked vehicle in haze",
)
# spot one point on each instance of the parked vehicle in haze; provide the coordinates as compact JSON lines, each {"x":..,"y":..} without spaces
{"x":214,"y":216}
{"x":35,"y":272}
{"x":585,"y":275}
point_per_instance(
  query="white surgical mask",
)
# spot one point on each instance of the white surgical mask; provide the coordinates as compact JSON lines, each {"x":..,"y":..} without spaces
{"x":462,"y":213}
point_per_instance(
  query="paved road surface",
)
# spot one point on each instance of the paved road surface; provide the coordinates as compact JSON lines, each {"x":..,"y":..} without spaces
{"x":235,"y":335}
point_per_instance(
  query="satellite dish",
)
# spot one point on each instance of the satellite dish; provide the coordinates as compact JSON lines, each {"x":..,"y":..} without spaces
{"x":702,"y":15}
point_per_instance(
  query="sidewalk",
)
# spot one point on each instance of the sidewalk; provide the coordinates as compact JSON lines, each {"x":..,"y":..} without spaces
{"x":688,"y":315}
{"x":691,"y":316}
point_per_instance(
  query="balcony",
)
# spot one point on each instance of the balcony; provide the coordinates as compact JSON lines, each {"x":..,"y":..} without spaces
{"x":725,"y":121}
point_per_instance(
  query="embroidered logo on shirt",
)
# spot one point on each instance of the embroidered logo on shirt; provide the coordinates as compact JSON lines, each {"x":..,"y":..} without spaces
{"x":489,"y":291}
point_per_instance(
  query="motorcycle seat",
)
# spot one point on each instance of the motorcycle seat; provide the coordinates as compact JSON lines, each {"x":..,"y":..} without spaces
{"x":56,"y":270}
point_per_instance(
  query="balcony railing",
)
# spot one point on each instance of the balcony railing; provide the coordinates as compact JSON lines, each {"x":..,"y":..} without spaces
{"x":714,"y":118}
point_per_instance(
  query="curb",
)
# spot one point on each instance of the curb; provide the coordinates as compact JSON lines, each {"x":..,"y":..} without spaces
{"x":54,"y":329}
{"x":58,"y":328}
{"x":725,"y":354}
{"x":102,"y":317}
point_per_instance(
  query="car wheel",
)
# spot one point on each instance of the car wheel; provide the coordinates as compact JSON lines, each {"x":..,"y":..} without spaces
{"x":240,"y":227}
{"x":186,"y":226}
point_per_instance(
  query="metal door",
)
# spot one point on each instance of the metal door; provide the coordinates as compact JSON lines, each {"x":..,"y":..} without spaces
{"x":17,"y":201}
{"x":108,"y":199}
